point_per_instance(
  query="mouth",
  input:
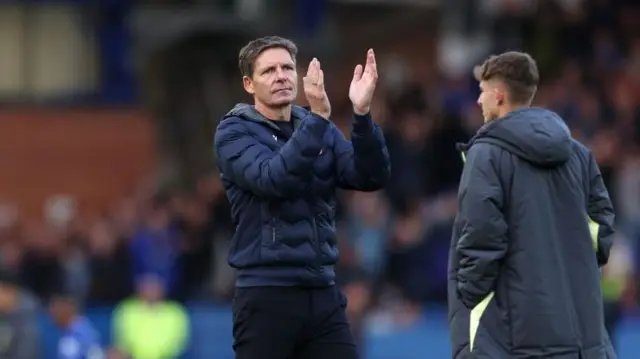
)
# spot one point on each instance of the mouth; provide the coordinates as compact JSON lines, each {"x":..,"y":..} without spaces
{"x":284,"y":90}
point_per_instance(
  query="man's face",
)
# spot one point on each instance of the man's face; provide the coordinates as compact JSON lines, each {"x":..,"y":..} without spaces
{"x":490,"y":100}
{"x":274,"y":82}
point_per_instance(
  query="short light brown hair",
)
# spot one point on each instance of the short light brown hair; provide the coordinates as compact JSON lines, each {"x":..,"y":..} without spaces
{"x":250,"y":52}
{"x":516,"y":70}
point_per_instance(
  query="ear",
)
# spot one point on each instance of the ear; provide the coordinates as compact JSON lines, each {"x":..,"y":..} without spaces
{"x":499,"y":96}
{"x":248,"y":85}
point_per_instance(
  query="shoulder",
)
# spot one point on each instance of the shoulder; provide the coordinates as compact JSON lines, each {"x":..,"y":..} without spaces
{"x":230,"y":129}
{"x":175,"y":309}
{"x":73,"y":343}
{"x":582,"y":150}
{"x":230,"y":123}
{"x":84,"y":329}
{"x":484,"y":150}
{"x":125,"y":306}
{"x":582,"y":160}
{"x":488,"y":159}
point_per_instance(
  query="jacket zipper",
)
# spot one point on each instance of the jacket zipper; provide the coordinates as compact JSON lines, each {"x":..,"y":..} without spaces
{"x":273,"y":230}
{"x":316,"y":243}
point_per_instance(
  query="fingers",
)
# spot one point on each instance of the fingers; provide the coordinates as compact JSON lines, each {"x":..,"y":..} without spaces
{"x":357,"y":73}
{"x":371,"y":67}
{"x":314,"y":81}
{"x":314,"y":71}
{"x":311,"y":68}
{"x":314,"y":90}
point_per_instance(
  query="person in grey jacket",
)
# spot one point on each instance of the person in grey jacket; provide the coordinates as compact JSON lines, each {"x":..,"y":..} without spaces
{"x":534,"y":226}
{"x":19,"y":335}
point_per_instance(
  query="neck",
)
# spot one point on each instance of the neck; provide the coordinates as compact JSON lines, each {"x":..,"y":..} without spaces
{"x":507,"y":109}
{"x":274,"y":114}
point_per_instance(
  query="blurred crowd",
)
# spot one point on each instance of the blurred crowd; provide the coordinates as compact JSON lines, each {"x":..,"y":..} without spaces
{"x":589,"y":58}
{"x":394,"y":243}
{"x":171,"y":235}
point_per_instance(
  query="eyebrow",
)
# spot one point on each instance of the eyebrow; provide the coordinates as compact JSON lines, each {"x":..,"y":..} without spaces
{"x":271,"y":67}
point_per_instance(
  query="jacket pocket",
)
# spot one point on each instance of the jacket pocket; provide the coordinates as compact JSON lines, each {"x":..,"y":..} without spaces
{"x":489,"y":330}
{"x":474,"y":319}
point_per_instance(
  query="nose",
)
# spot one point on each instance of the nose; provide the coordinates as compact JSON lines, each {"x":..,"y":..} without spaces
{"x":280,"y":74}
{"x":479,"y":100}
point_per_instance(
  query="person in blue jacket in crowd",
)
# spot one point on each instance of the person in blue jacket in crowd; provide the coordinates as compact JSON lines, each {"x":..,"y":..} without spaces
{"x":79,"y":339}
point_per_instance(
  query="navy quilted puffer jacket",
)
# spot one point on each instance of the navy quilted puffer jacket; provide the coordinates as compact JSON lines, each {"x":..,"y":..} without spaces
{"x":283,"y":191}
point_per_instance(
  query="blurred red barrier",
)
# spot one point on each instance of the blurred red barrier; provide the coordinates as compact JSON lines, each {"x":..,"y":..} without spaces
{"x":94,"y":155}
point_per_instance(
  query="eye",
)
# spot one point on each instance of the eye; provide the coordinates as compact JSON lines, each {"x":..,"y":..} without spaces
{"x":269,"y":70}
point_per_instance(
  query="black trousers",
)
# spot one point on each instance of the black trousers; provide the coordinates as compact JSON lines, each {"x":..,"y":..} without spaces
{"x":291,"y":323}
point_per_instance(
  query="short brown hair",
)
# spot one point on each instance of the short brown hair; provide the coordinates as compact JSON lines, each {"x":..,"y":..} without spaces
{"x":250,"y":52}
{"x":517,"y":70}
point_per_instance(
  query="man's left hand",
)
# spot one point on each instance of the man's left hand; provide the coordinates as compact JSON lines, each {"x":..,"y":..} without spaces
{"x":363,"y":85}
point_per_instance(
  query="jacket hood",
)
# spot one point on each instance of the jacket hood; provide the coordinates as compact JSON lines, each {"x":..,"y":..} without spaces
{"x":249,"y":112}
{"x":536,"y":135}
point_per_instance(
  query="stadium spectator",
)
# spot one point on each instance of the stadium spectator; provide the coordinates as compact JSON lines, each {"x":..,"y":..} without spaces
{"x":149,"y":326}
{"x":18,"y":320}
{"x":155,"y":247}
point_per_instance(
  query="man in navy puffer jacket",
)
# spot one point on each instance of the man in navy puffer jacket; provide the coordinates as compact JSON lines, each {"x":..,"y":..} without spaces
{"x":281,"y":165}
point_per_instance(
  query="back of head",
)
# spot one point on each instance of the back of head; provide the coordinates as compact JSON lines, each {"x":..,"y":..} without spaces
{"x":508,"y":84}
{"x":507,"y":81}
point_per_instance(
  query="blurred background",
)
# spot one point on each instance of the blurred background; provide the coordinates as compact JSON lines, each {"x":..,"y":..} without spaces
{"x":109,"y":192}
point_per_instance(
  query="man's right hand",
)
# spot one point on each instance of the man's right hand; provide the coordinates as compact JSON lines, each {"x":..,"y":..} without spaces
{"x":314,"y":90}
